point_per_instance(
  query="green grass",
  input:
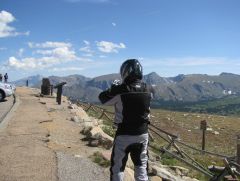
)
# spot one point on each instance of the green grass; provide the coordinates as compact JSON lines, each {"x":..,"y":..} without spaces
{"x":108,"y":130}
{"x":229,"y":105}
{"x":187,"y":126}
{"x":98,"y":158}
{"x":168,"y":160}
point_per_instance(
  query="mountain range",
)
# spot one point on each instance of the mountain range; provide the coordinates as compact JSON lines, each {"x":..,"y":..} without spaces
{"x":182,"y":88}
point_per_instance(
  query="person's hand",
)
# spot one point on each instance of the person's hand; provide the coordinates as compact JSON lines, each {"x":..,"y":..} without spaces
{"x":116,"y":82}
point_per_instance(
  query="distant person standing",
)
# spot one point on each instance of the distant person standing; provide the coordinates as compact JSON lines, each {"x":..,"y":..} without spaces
{"x":1,"y":77}
{"x":6,"y":78}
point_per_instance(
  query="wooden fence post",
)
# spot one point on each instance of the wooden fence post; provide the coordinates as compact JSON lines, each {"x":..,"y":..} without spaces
{"x":203,"y":127}
{"x":238,"y":151}
{"x":102,"y":114}
{"x":106,"y":115}
{"x":88,"y":108}
{"x":94,"y":109}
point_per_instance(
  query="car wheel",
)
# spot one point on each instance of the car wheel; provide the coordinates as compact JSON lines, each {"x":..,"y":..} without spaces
{"x":1,"y":95}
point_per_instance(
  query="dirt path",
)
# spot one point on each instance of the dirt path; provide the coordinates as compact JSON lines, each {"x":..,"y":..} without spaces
{"x":40,"y":143}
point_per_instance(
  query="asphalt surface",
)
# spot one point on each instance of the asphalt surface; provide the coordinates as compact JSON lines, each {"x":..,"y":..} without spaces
{"x":77,"y":168}
{"x":39,"y":142}
{"x":24,"y":154}
{"x":5,"y":106}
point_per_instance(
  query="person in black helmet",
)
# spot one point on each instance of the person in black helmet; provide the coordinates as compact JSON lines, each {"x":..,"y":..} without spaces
{"x":131,"y":100}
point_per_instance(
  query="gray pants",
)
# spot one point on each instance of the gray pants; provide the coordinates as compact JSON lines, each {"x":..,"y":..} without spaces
{"x":137,"y":146}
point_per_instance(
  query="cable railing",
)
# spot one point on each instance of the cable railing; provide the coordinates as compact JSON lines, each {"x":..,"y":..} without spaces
{"x":173,"y":141}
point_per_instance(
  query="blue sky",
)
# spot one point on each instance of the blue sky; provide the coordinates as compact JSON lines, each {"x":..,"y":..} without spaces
{"x":93,"y":37}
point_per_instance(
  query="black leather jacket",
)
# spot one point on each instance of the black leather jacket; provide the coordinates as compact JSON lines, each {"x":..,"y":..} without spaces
{"x":132,"y":107}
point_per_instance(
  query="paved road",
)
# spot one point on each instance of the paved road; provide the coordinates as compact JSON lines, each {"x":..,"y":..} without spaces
{"x":5,"y":106}
{"x":72,"y":168}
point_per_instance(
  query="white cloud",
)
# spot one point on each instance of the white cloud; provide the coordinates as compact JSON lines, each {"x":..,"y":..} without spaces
{"x":86,"y":48}
{"x":86,"y":42}
{"x":88,"y":55}
{"x":102,"y":56}
{"x":114,"y":24}
{"x":20,"y":52}
{"x":64,"y":69}
{"x":59,"y":53}
{"x":109,"y":47}
{"x":5,"y":29}
{"x":53,"y":53}
{"x":34,"y":63}
{"x":27,"y":63}
{"x":49,"y":44}
{"x":6,"y":17}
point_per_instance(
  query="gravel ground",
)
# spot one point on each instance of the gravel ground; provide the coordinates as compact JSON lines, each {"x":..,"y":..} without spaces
{"x":77,"y":168}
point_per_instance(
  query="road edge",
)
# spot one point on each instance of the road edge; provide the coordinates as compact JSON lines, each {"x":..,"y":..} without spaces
{"x":6,"y":118}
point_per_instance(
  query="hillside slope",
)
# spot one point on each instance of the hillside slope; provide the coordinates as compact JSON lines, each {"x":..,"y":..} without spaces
{"x":182,"y":88}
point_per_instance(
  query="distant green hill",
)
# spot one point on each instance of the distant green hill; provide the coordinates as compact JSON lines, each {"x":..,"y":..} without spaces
{"x":229,"y":105}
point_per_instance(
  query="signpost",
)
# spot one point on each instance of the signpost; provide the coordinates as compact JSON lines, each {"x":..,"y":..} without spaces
{"x":203,"y":127}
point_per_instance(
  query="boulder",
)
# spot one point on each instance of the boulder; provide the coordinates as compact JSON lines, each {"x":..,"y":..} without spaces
{"x":180,"y":170}
{"x":153,"y":156}
{"x":96,"y":122}
{"x":75,"y":119}
{"x":209,"y":129}
{"x":156,"y":178}
{"x":105,"y":140}
{"x":189,"y":179}
{"x":93,"y":143}
{"x":81,"y":113}
{"x":85,"y":123}
{"x":106,"y":155}
{"x":86,"y":130}
{"x":165,"y":174}
{"x":70,"y":107}
{"x":96,"y":133}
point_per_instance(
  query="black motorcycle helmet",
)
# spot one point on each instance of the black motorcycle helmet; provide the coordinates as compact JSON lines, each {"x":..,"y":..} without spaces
{"x":131,"y":70}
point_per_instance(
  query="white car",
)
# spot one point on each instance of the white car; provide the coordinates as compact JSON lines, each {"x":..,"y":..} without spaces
{"x":6,"y":90}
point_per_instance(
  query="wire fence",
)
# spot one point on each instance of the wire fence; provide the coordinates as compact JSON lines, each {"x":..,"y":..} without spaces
{"x":232,"y":166}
